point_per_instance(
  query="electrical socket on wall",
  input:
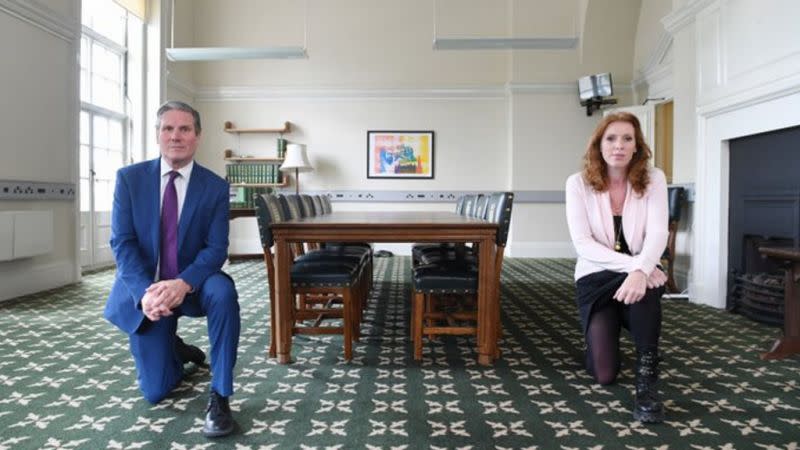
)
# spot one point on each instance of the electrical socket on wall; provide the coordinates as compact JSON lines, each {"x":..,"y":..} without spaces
{"x":34,"y":190}
{"x":394,"y":196}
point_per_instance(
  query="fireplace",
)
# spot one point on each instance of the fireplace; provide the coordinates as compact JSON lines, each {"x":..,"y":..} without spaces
{"x":764,"y":211}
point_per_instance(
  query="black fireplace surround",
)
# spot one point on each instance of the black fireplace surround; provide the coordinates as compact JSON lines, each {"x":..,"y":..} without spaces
{"x":764,"y":211}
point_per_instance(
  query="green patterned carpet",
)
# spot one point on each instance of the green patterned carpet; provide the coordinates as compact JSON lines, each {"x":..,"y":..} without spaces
{"x":67,"y":379}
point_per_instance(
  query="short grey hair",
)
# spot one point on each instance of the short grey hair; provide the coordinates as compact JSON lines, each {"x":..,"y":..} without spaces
{"x":180,"y":106}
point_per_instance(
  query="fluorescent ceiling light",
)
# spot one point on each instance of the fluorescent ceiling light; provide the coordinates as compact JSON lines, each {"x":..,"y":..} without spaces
{"x":488,"y":43}
{"x":227,"y":53}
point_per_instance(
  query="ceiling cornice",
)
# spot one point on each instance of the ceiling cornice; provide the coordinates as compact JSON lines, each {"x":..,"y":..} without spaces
{"x":683,"y":17}
{"x":34,"y":13}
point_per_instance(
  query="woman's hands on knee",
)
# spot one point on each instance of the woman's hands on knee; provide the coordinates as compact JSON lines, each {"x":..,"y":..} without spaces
{"x":656,"y":279}
{"x":633,"y":288}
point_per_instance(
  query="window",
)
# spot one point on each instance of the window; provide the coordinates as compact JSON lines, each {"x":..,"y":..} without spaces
{"x":111,"y":87}
{"x":109,"y":32}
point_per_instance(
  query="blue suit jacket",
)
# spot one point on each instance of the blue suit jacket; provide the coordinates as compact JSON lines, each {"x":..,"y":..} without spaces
{"x":135,"y":235}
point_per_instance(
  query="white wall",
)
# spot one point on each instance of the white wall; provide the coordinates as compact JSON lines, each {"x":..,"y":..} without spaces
{"x":542,"y":160}
{"x":39,"y":129}
{"x":503,"y":119}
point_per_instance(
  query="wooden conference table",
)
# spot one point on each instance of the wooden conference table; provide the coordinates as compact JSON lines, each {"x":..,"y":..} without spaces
{"x":381,"y":226}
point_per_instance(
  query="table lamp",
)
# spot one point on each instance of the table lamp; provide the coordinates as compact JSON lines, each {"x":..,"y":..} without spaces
{"x":296,"y":159}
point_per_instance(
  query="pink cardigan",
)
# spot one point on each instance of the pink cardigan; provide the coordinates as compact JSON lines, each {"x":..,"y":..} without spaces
{"x":591,"y":226}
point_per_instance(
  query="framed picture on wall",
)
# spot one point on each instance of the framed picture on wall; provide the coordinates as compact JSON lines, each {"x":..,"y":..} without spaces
{"x":400,"y":154}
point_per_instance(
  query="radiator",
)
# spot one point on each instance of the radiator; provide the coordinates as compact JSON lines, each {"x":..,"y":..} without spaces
{"x":25,"y":233}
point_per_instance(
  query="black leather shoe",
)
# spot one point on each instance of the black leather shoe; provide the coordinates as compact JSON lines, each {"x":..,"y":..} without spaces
{"x":219,"y":421}
{"x":189,"y":353}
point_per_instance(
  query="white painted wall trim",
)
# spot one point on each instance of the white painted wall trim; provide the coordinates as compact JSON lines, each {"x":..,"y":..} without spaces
{"x":23,"y":280}
{"x":708,"y":283}
{"x":248,"y":93}
{"x":752,"y":96}
{"x":555,"y":88}
{"x":657,"y":72}
{"x":533,"y":249}
{"x":41,"y":16}
{"x":184,"y":87}
{"x":659,"y":82}
{"x":658,"y":54}
{"x":679,"y":19}
{"x":543,"y":88}
{"x":245,"y":93}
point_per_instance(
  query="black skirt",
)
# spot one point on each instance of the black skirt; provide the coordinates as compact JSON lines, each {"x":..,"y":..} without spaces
{"x":595,"y":291}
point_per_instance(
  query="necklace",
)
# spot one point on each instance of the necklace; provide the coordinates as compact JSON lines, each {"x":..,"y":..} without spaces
{"x":617,"y":243}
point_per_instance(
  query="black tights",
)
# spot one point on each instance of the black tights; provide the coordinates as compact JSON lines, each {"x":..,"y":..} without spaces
{"x":642,"y":319}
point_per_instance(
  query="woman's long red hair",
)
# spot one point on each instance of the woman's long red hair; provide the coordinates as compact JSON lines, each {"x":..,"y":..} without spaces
{"x":595,"y":169}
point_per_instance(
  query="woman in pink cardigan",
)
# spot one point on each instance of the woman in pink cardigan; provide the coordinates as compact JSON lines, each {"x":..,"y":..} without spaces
{"x":617,"y":217}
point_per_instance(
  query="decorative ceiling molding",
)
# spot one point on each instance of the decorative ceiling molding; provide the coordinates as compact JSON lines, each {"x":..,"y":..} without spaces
{"x":488,"y":91}
{"x":657,"y":67}
{"x":654,"y":75}
{"x":182,"y":86}
{"x":40,"y":16}
{"x":555,"y":88}
{"x":503,"y":43}
{"x":543,"y":88}
{"x":247,"y":93}
{"x":683,"y":17}
{"x":658,"y":54}
{"x":746,"y":98}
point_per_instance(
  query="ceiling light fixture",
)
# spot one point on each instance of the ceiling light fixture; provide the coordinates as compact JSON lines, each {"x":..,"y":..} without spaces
{"x":230,"y":53}
{"x":500,"y":43}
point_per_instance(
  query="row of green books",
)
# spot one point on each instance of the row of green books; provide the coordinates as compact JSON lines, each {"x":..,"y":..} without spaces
{"x":253,"y":173}
{"x":243,"y":197}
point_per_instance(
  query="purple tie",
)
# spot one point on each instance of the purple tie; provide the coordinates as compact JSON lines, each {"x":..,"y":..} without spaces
{"x":169,"y":231}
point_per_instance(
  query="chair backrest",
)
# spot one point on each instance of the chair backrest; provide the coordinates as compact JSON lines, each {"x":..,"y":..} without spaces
{"x":308,"y":205}
{"x":498,"y":210}
{"x":326,"y":204}
{"x":469,"y":205}
{"x":480,"y":206}
{"x":460,"y":204}
{"x":318,"y":206}
{"x":268,"y":211}
{"x":675,"y":196}
{"x":291,"y":206}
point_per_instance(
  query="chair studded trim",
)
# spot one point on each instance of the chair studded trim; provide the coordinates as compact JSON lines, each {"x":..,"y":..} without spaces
{"x":323,"y":285}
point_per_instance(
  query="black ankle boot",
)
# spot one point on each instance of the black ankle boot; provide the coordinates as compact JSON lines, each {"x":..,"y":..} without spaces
{"x":648,"y":407}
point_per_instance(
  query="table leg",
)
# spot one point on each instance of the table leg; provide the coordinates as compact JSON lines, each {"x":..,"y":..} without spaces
{"x":789,"y":343}
{"x":487,"y":303}
{"x":283,"y":306}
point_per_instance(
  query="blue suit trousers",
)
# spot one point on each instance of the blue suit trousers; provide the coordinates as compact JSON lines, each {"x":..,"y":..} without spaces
{"x":159,"y":370}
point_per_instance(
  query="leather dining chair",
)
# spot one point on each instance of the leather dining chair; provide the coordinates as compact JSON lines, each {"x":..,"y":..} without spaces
{"x":312,"y":275}
{"x":456,"y":278}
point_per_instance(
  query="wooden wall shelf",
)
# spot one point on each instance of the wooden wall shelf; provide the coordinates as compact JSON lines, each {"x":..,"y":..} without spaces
{"x":231,"y":128}
{"x":242,"y":212}
{"x":247,"y":159}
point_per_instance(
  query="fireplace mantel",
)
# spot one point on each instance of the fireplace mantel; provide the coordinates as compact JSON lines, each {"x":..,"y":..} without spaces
{"x":731,"y":80}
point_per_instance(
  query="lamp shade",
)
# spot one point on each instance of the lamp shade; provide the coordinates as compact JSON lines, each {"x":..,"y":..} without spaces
{"x":296,"y":159}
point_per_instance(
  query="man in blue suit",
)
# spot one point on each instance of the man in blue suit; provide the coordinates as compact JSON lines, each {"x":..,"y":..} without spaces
{"x":169,"y":233}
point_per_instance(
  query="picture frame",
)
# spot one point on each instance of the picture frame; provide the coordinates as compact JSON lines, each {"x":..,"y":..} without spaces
{"x":400,"y":154}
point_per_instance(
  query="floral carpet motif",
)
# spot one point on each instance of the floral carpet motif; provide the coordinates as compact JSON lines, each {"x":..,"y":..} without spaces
{"x":67,"y":379}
